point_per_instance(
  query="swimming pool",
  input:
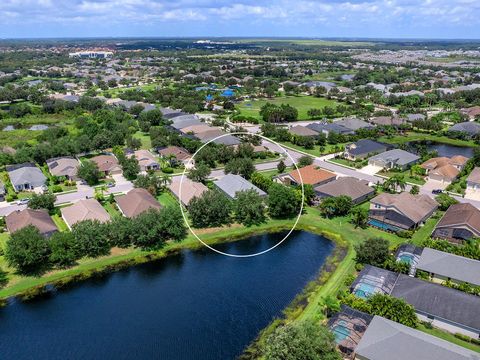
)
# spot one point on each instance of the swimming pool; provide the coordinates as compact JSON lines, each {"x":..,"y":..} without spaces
{"x":341,"y":331}
{"x":406,"y":258}
{"x":364,"y":290}
{"x":383,"y":226}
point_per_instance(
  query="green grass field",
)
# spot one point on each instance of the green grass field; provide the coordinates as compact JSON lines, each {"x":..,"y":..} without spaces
{"x":301,"y":103}
{"x":413,"y":136}
{"x":167,"y":199}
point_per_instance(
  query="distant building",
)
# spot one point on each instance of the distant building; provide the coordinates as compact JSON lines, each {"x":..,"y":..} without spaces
{"x":91,"y":54}
{"x":444,"y":169}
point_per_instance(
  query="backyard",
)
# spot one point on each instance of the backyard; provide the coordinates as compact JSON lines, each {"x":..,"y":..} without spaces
{"x":251,"y":108}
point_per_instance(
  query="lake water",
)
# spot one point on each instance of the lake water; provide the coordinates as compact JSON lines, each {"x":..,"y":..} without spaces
{"x":444,"y":149}
{"x":195,"y":305}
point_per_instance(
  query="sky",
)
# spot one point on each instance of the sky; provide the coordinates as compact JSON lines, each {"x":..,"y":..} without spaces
{"x":434,"y":19}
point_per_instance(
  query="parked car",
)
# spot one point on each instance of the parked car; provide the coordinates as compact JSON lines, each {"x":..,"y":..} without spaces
{"x":437,"y":191}
{"x":23,"y":201}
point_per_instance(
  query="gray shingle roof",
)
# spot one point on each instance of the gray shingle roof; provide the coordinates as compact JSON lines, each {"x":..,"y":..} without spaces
{"x":450,"y":265}
{"x":469,"y":127}
{"x":230,"y":184}
{"x":440,"y":301}
{"x":386,"y":339}
{"x":398,"y":156}
{"x":348,"y":186}
{"x":26,"y":173}
{"x":366,"y":146}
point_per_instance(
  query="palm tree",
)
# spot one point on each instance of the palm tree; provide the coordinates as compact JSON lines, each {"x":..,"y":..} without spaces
{"x":165,"y":180}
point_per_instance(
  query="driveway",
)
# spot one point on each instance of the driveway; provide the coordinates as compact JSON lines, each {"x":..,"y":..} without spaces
{"x":434,"y":184}
{"x":370,"y":169}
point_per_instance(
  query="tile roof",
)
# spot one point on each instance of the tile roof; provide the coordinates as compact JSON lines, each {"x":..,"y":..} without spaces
{"x":348,"y":186}
{"x":22,"y":218}
{"x":311,"y":175}
{"x":415,"y":207}
{"x":459,"y":215}
{"x":87,"y":209}
{"x":136,"y":201}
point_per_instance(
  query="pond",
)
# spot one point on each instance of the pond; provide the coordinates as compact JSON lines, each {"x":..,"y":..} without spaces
{"x":443,"y":149}
{"x":194,"y":305}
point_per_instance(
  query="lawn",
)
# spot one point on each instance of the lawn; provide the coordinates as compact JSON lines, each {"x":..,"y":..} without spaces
{"x":61,"y":225}
{"x":408,"y":178}
{"x":317,"y":150}
{"x":111,"y":209}
{"x":145,"y":139}
{"x":414,"y":136}
{"x":167,"y":199}
{"x":301,"y":103}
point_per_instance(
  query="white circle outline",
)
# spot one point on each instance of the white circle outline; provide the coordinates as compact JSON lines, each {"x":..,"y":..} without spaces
{"x":185,"y":216}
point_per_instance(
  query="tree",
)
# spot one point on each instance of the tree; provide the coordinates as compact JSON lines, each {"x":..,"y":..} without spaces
{"x":89,"y":172}
{"x":394,"y":309}
{"x":43,"y":201}
{"x":241,"y":166}
{"x":200,"y":173}
{"x":151,"y":182}
{"x":92,"y":238}
{"x":261,"y":181}
{"x":172,"y":223}
{"x":335,"y":206}
{"x":63,"y":249}
{"x":305,"y":161}
{"x":27,"y":250}
{"x":249,"y":208}
{"x":211,"y":209}
{"x":359,"y":217}
{"x":305,"y":340}
{"x":130,"y":168}
{"x":281,"y":166}
{"x":283,"y":202}
{"x":395,"y":182}
{"x":373,"y":251}
{"x":415,"y":189}
{"x":445,"y":201}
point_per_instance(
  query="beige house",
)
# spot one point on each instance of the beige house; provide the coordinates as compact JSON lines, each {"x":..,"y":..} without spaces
{"x":66,"y":166}
{"x":107,"y":164}
{"x":146,"y":160}
{"x":20,"y":219}
{"x":473,"y":180}
{"x":444,"y":169}
{"x":189,"y":189}
{"x":87,"y":209}
{"x":135,"y":202}
{"x":402,"y":211}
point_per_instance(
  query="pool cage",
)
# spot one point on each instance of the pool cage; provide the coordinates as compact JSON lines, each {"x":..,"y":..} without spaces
{"x":372,"y":280}
{"x":348,"y":327}
{"x":411,"y":254}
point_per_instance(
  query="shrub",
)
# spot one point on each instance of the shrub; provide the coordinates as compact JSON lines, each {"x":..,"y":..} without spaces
{"x":167,"y":170}
{"x":56,"y":188}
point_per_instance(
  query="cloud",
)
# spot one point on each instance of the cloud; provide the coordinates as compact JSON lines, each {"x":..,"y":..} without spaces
{"x":285,"y":17}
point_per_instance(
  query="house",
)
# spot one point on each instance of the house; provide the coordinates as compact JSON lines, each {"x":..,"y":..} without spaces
{"x":415,"y":117}
{"x":470,"y":128}
{"x":402,"y":211}
{"x":3,"y":191}
{"x":25,"y":176}
{"x":354,"y":124}
{"x":135,"y":202}
{"x":363,"y":149}
{"x":449,"y":309}
{"x":87,"y":209}
{"x":20,"y":219}
{"x":396,"y":158}
{"x":175,"y":154}
{"x":444,"y":169}
{"x":446,"y":308}
{"x":146,"y":160}
{"x":310,"y":174}
{"x":183,"y":121}
{"x":387,"y":339}
{"x":357,"y":190}
{"x":65,"y":166}
{"x":302,"y":131}
{"x":327,"y":128}
{"x":230,"y":184}
{"x":218,"y":137}
{"x":459,"y":223}
{"x":473,"y":180}
{"x":387,"y":121}
{"x":472,"y":112}
{"x":443,"y":266}
{"x":188,"y":191}
{"x":107,"y":164}
{"x":197,"y":129}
